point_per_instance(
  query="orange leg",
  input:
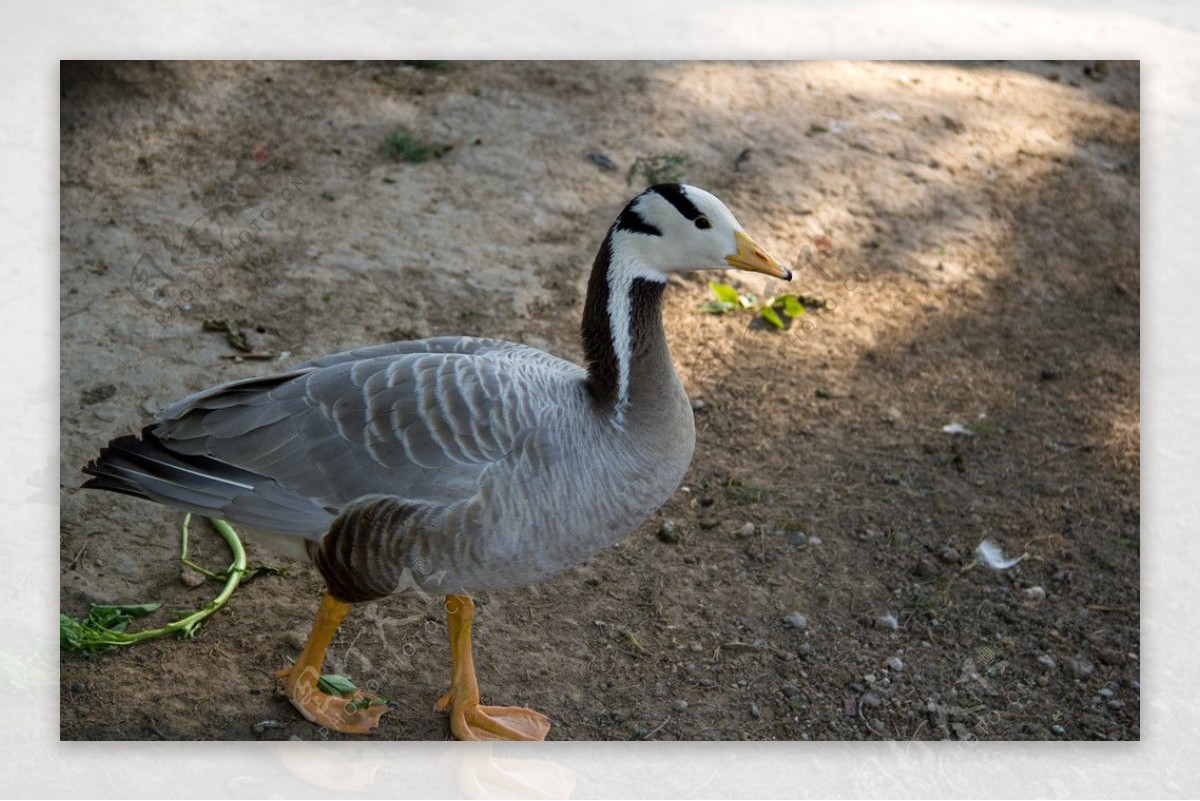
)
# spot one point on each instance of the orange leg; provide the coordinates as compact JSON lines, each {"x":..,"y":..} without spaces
{"x":468,"y":719}
{"x":355,"y":714}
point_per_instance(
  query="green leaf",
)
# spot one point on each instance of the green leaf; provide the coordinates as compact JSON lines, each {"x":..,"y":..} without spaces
{"x":792,"y":307}
{"x":768,"y":313}
{"x":716,"y":307}
{"x":334,"y":684}
{"x":132,"y":610}
{"x":70,"y":633}
{"x":725,"y":293}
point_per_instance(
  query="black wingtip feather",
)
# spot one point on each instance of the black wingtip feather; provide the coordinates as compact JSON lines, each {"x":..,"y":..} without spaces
{"x":143,"y":466}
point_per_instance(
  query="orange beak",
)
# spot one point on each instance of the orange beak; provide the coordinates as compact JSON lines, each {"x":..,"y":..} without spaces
{"x":751,"y":257}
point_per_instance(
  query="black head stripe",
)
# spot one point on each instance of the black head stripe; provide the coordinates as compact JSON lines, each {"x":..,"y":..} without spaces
{"x":675,"y":195}
{"x":631,"y":221}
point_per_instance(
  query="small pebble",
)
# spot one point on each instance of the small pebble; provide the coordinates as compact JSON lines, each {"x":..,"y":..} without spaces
{"x":1059,"y":730}
{"x":1105,"y":692}
{"x":924,"y":569}
{"x":790,"y":690}
{"x":869,"y":678}
{"x":1045,"y":660}
{"x":798,"y":539}
{"x":747,"y":530}
{"x":125,"y":564}
{"x":602,"y":161}
{"x":698,"y":405}
{"x":1035,"y":594}
{"x":1079,"y":668}
{"x":190,"y":578}
{"x":755,"y":712}
{"x":895,"y":665}
{"x":871,"y":698}
{"x":888,"y":621}
{"x":796,"y":621}
{"x":668,"y":532}
{"x":679,"y":705}
{"x":77,"y":686}
{"x":814,"y":541}
{"x":950,"y":556}
{"x":804,"y":650}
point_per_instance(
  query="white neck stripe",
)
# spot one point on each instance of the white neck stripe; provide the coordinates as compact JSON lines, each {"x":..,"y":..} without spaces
{"x":622,"y":270}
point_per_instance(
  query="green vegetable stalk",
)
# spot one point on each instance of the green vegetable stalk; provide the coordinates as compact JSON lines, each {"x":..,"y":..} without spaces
{"x":105,"y":626}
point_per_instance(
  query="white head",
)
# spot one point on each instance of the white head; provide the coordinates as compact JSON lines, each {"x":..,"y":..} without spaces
{"x":668,"y":228}
{"x":677,"y":228}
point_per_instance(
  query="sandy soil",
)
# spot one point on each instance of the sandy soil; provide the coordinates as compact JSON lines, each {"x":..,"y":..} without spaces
{"x":973,"y":227}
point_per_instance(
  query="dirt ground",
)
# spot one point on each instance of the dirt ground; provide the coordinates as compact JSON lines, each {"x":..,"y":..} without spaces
{"x":973,"y":228}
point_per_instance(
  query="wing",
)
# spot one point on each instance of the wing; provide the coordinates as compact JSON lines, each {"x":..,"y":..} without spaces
{"x":417,"y":420}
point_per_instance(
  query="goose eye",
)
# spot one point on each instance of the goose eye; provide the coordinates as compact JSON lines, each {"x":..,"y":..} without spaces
{"x":703,"y":223}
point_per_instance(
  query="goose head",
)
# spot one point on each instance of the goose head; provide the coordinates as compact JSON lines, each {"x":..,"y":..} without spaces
{"x":673,"y":228}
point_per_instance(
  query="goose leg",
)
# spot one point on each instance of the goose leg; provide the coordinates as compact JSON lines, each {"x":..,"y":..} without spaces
{"x":355,"y":714}
{"x":468,"y":719}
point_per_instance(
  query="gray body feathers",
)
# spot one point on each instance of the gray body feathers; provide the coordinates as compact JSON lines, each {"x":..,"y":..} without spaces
{"x":483,"y":461}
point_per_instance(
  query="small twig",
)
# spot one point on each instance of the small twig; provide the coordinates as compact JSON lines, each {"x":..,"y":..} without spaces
{"x":1085,"y":446}
{"x":752,"y":681}
{"x":252,"y":356}
{"x":866,"y":722}
{"x":917,"y":730}
{"x":657,"y":728}
{"x":743,"y":646}
{"x":78,"y":553}
{"x":1115,"y":609}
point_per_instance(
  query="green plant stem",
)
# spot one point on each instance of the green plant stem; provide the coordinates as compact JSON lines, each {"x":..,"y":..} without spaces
{"x":183,"y":554}
{"x":233,"y":576}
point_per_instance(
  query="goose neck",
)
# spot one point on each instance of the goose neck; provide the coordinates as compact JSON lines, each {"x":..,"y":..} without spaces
{"x":623,"y":339}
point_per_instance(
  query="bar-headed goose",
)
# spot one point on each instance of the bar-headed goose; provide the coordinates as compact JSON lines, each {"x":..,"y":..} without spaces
{"x":489,"y":462}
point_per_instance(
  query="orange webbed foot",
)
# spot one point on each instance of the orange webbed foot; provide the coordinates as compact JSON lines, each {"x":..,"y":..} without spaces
{"x":356,"y":713}
{"x":474,"y":721}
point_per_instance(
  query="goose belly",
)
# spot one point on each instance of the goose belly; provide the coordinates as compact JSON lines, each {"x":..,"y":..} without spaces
{"x":545,"y":523}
